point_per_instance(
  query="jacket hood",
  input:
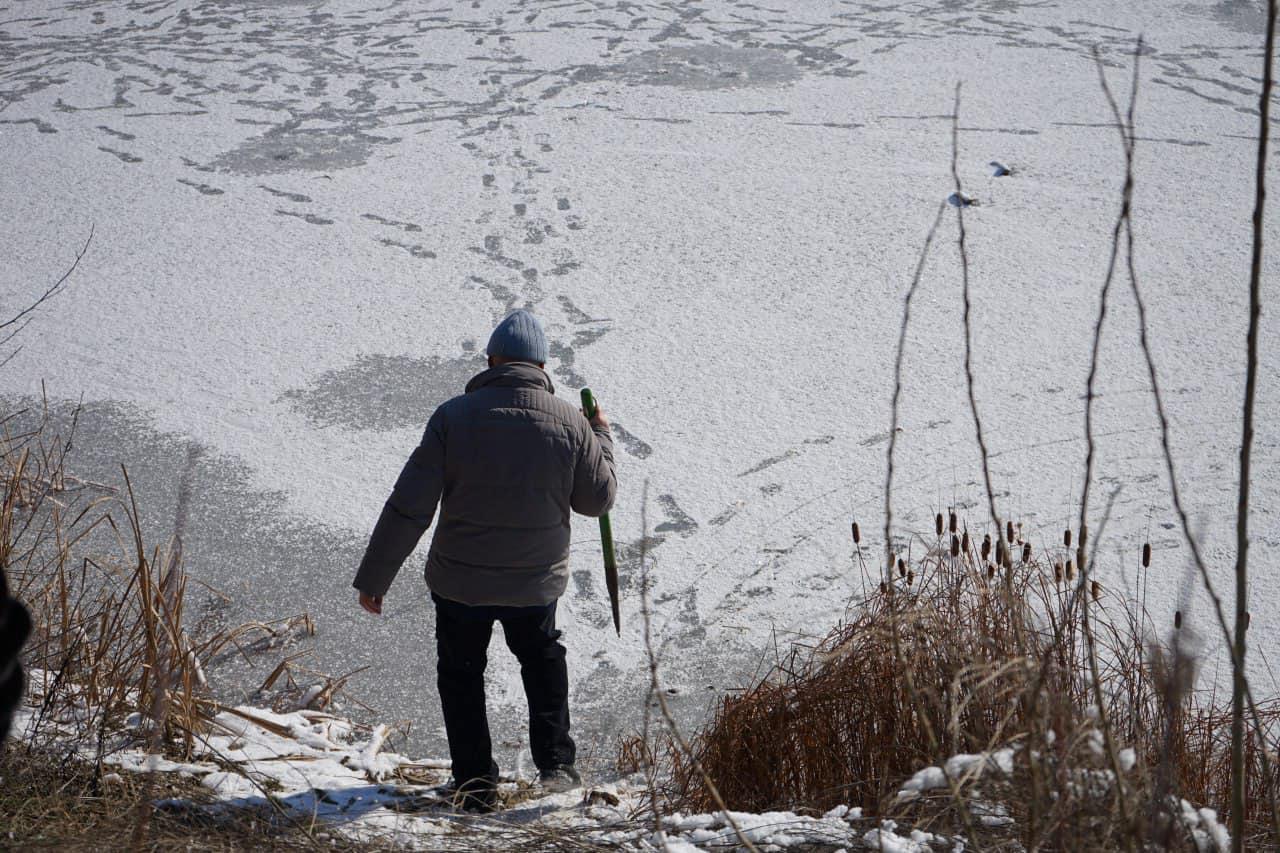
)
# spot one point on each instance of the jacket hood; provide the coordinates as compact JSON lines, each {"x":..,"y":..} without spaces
{"x":517,"y":374}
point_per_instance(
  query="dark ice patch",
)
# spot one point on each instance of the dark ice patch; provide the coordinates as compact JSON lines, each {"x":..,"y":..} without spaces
{"x":299,"y":150}
{"x":637,"y":447}
{"x":124,"y":156}
{"x":678,"y":521}
{"x":39,"y":124}
{"x":203,"y":189}
{"x":1243,"y":16}
{"x":566,"y":357}
{"x":383,"y":392}
{"x":698,"y":67}
{"x":415,"y":249}
{"x":575,"y":314}
{"x":118,"y":134}
{"x":711,"y":67}
{"x":296,"y":198}
{"x":791,"y":453}
{"x":408,"y":227}
{"x":309,"y":218}
{"x":236,"y":538}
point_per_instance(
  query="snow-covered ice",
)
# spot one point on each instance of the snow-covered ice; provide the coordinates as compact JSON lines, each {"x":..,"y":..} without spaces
{"x":309,"y":215}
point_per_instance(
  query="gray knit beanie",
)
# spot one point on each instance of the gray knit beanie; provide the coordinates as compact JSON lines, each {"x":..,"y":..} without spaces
{"x":519,"y":337}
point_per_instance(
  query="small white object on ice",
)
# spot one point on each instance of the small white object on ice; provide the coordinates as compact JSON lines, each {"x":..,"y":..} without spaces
{"x":958,"y":200}
{"x":1000,"y":170}
{"x":1127,"y":758}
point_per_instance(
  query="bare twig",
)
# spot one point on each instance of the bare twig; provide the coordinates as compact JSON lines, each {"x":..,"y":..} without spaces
{"x":1246,"y":445}
{"x":655,"y":687}
{"x":897,"y":375}
{"x":53,"y":289}
{"x":1175,"y":490}
{"x":968,"y":325}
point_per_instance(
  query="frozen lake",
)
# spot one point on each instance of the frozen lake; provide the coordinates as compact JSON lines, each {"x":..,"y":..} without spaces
{"x":309,"y":215}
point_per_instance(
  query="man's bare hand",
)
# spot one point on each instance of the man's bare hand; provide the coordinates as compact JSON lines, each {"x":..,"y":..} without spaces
{"x":372,"y":603}
{"x":599,"y":420}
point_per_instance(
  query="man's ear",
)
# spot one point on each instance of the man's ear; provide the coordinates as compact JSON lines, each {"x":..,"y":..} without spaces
{"x":490,"y":359}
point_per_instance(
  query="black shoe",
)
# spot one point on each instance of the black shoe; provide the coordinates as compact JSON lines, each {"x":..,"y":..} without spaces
{"x":558,"y":779}
{"x":476,"y":796}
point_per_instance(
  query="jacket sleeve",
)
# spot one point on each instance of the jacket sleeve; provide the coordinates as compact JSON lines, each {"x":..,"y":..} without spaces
{"x":407,"y":513}
{"x":595,"y":483}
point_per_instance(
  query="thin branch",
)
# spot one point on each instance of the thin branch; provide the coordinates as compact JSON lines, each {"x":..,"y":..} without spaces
{"x":1246,"y":445}
{"x":968,"y":326}
{"x":1083,"y":556}
{"x":54,"y":288}
{"x":655,"y":688}
{"x":1175,"y":491}
{"x":897,"y":375}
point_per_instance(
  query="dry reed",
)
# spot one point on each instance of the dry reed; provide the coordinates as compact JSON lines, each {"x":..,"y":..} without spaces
{"x":844,"y":724}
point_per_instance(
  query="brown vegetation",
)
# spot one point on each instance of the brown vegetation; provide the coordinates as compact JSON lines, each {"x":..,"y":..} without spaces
{"x":943,"y":654}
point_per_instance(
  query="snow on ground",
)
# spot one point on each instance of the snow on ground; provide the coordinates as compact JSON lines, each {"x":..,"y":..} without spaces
{"x":334,"y":775}
{"x":309,"y":215}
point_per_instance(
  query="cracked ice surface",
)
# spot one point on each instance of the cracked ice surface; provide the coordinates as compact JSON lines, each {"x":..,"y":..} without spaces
{"x":309,"y":215}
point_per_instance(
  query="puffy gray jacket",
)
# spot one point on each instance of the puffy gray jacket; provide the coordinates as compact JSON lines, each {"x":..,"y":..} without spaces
{"x":507,"y":461}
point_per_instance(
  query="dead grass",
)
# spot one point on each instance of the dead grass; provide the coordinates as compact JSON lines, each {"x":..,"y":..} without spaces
{"x":957,"y":651}
{"x":54,"y":803}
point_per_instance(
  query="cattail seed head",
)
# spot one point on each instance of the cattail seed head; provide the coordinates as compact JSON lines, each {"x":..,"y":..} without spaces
{"x":991,"y":570}
{"x":1000,"y":552}
{"x":1096,"y":589}
{"x":1084,"y":536}
{"x":902,"y":568}
{"x":1071,"y":570}
{"x":882,"y":587}
{"x":952,"y":523}
{"x":937,"y":524}
{"x":1008,"y":530}
{"x":857,"y":534}
{"x":1066,"y":538}
{"x":986,"y":546}
{"x":911,"y":577}
{"x":955,"y":545}
{"x":1057,"y":572}
{"x":1177,"y":619}
{"x":1146,"y":555}
{"x":964,"y":542}
{"x":1026,"y":552}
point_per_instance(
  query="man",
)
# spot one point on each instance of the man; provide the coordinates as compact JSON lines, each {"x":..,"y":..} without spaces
{"x":507,"y":461}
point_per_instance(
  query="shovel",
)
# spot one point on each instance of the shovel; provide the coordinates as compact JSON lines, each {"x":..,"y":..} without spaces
{"x":606,"y":532}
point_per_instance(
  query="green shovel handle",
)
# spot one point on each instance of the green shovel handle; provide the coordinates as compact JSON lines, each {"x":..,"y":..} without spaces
{"x":590,"y":409}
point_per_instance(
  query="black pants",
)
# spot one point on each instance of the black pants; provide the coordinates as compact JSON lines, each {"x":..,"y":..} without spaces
{"x":462,"y":643}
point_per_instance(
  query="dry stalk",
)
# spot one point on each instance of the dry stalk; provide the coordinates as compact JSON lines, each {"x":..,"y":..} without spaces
{"x":1238,"y":685}
{"x":897,"y":379}
{"x":1083,"y":559}
{"x":655,"y":688}
{"x":1175,"y":490}
{"x":968,"y":325}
